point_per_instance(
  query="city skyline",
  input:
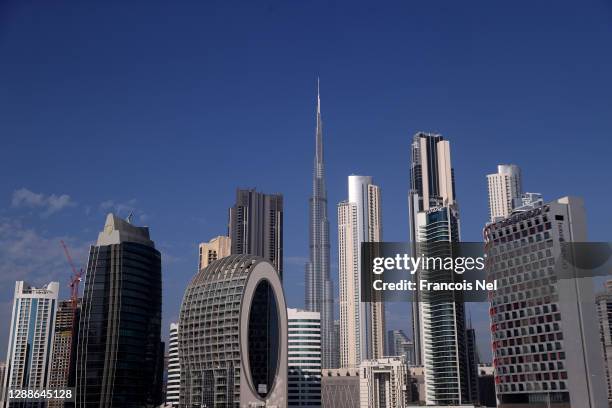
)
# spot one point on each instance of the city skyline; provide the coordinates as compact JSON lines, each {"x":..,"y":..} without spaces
{"x":35,"y":212}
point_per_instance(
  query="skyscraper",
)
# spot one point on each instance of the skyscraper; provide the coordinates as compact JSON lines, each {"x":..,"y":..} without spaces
{"x":362,"y":326}
{"x":438,"y":317}
{"x":319,"y":288}
{"x":472,"y":362}
{"x":256,"y":226}
{"x":304,"y":358}
{"x":400,"y":345}
{"x":233,"y":336}
{"x":63,"y":363}
{"x":2,"y":378}
{"x":505,"y":187}
{"x":214,"y":249}
{"x":544,"y":327}
{"x":335,"y":354}
{"x":30,"y":337}
{"x":120,"y":353}
{"x":173,"y":384}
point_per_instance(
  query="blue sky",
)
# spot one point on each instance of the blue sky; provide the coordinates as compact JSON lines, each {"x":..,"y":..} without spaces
{"x":164,"y":109}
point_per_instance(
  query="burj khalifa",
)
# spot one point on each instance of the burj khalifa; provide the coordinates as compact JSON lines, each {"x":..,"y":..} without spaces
{"x":319,"y":288}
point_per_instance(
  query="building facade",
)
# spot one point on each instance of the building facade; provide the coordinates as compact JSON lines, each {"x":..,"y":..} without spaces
{"x":473,"y":359}
{"x":318,"y":286}
{"x":400,"y":345}
{"x":384,"y":383}
{"x":362,"y":326}
{"x":2,"y":378}
{"x":173,"y":381}
{"x":30,"y":344}
{"x":438,"y":317}
{"x":604,"y":313}
{"x":233,"y":336}
{"x":340,"y":388}
{"x":63,"y":363}
{"x":505,"y":187}
{"x":214,"y":249}
{"x":335,"y":355}
{"x":543,"y":324}
{"x":119,"y":353}
{"x":256,"y":226}
{"x":304,"y":358}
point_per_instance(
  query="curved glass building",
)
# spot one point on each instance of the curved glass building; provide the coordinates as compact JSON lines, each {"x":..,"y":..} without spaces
{"x":233,"y":336}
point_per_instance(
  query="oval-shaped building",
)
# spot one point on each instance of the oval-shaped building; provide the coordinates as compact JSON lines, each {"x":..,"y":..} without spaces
{"x":233,"y":336}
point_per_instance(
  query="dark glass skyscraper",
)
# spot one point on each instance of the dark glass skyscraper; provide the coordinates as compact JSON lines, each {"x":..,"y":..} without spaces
{"x":256,"y":226}
{"x":319,"y":289}
{"x":120,"y":353}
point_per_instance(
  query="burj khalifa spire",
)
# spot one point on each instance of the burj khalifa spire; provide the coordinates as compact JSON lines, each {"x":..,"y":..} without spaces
{"x":319,"y":288}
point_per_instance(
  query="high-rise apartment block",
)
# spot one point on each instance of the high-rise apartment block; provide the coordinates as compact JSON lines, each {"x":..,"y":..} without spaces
{"x":362,"y":326}
{"x":604,"y":312}
{"x":505,"y":187}
{"x":31,"y":337}
{"x":438,"y":317}
{"x":304,"y":358}
{"x":173,"y":381}
{"x":256,"y":226}
{"x":318,"y":285}
{"x":544,"y":327}
{"x":214,"y":249}
{"x":61,"y":375}
{"x":120,"y":354}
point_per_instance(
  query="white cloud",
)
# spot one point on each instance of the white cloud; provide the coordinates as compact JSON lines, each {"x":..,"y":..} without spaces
{"x":123,"y":209}
{"x":50,"y":204}
{"x":26,"y":254}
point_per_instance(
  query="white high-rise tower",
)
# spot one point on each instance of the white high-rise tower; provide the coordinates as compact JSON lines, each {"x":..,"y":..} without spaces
{"x":31,"y":336}
{"x":505,"y":189}
{"x":362,"y":326}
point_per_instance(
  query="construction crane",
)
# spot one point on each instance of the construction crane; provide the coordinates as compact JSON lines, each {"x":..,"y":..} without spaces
{"x":75,"y":279}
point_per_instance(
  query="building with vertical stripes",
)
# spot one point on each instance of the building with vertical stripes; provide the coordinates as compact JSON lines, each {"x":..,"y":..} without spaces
{"x":438,"y":316}
{"x":362,"y":324}
{"x":31,"y":337}
{"x":119,"y":351}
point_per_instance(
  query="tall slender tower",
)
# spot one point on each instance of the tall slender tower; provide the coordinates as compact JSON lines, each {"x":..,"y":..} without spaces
{"x":31,"y":338}
{"x":362,"y":326}
{"x":319,"y":289}
{"x":438,"y":318}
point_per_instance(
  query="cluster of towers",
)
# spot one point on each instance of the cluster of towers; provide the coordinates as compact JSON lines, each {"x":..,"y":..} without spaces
{"x":237,"y":344}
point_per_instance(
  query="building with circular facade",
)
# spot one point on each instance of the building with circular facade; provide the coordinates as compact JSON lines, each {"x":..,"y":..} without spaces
{"x":233,"y":336}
